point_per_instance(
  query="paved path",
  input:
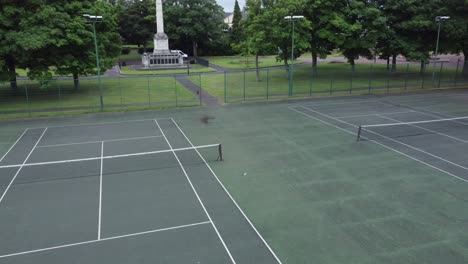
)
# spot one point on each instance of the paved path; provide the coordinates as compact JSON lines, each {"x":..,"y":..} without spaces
{"x":206,"y":98}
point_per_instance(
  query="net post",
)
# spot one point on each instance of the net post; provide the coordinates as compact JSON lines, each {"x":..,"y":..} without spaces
{"x":359,"y":134}
{"x":220,"y":150}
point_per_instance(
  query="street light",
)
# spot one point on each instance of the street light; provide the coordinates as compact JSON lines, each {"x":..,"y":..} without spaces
{"x":291,"y":66}
{"x":93,"y":20}
{"x":439,"y":20}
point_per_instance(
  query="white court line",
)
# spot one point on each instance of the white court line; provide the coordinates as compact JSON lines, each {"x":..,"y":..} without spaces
{"x":100,"y":191}
{"x":383,"y":145}
{"x":391,"y":139}
{"x":432,"y":131}
{"x":24,"y":132}
{"x":104,"y":123}
{"x":104,"y":239}
{"x":230,"y":196}
{"x":422,"y":109}
{"x":94,"y":142}
{"x":340,"y":102}
{"x":390,"y":113}
{"x":196,"y":194}
{"x":21,"y":167}
{"x":106,"y":157}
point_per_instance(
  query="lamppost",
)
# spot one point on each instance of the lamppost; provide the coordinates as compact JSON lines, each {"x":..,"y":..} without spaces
{"x":291,"y":66}
{"x":93,"y":20}
{"x":439,"y":20}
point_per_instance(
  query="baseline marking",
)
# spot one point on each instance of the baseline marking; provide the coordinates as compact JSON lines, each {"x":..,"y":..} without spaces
{"x":14,"y":144}
{"x":196,"y":194}
{"x":106,"y":157}
{"x":21,"y":167}
{"x":91,"y":142}
{"x":432,"y":131}
{"x":230,"y":196}
{"x":100,"y":191}
{"x":390,"y":113}
{"x":103,"y":123}
{"x":341,"y":102}
{"x":104,"y":239}
{"x":383,"y":145}
{"x":391,"y":139}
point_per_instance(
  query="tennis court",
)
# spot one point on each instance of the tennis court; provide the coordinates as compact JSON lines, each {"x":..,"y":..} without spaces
{"x":119,"y":192}
{"x":295,"y":184}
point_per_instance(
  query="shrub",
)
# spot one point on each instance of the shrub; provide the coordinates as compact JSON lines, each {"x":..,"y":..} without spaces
{"x":125,"y":51}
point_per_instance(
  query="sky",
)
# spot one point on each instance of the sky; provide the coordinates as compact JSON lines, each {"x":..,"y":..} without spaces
{"x":228,"y":5}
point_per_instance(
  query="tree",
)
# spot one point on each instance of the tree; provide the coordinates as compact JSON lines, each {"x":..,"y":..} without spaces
{"x":236,"y":30}
{"x":193,"y":21}
{"x":456,"y":29}
{"x":136,"y":23}
{"x":320,"y":13}
{"x":25,"y":28}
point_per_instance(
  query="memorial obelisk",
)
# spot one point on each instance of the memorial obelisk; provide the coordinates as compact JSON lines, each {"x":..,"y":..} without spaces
{"x":161,"y":41}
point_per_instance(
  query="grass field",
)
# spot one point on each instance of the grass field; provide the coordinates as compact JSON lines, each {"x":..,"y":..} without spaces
{"x":120,"y":93}
{"x":128,"y":70}
{"x":236,"y":63}
{"x":330,"y":78}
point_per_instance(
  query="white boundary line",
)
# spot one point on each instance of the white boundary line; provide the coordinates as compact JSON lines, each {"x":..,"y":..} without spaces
{"x":14,"y":144}
{"x":103,"y":123}
{"x":104,"y":239}
{"x":383,"y":145}
{"x":100,"y":191}
{"x":230,"y":196}
{"x":106,"y":157}
{"x":415,"y":122}
{"x":390,"y":113}
{"x":391,"y":139}
{"x":432,"y":131}
{"x":21,"y":166}
{"x":340,"y":102}
{"x":196,"y":193}
{"x":91,"y":142}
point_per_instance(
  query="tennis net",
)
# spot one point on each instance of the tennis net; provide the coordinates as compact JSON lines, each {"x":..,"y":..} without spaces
{"x":116,"y":164}
{"x":455,"y":128}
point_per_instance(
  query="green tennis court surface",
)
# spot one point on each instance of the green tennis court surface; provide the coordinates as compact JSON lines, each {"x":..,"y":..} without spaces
{"x":295,"y":185}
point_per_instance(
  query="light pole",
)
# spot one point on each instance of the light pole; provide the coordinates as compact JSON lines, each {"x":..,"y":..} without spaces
{"x":291,"y":66}
{"x":93,"y":20}
{"x":439,"y":20}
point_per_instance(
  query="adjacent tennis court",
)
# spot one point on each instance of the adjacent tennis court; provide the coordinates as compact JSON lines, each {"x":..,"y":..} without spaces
{"x":359,"y":179}
{"x":119,"y":192}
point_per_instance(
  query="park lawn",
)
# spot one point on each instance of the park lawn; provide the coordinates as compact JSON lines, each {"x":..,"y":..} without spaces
{"x":239,"y":63}
{"x":330,"y":78}
{"x":24,"y":73}
{"x":117,"y":92}
{"x":132,"y":56}
{"x":127,"y":70}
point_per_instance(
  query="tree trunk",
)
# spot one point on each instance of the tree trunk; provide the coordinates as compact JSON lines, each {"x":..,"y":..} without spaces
{"x":76,"y":82}
{"x":465,"y":63}
{"x":388,"y":62}
{"x":11,"y":70}
{"x":256,"y":68}
{"x":194,"y":47}
{"x":314,"y":59}
{"x":394,"y":56}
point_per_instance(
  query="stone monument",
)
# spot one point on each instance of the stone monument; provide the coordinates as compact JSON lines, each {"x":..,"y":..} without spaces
{"x":162,"y":57}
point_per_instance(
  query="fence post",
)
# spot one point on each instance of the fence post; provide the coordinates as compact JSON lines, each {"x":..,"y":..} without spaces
{"x":440,"y":73}
{"x":456,"y":73}
{"x":423,"y":74}
{"x":225,"y":88}
{"x":370,"y":78}
{"x":175,"y":90}
{"x":27,"y":98}
{"x":406,"y":77}
{"x":149,"y":93}
{"x":59,"y":94}
{"x":331,"y":85}
{"x":389,"y":74}
{"x":121,"y":95}
{"x":244,"y":85}
{"x":200,"y":93}
{"x":310,"y":83}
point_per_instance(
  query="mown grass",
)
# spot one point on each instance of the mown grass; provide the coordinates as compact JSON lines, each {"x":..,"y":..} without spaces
{"x":128,"y":70}
{"x":118,"y":93}
{"x":236,"y":63}
{"x":330,"y":78}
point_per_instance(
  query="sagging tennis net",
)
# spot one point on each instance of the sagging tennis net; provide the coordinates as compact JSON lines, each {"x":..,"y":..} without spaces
{"x":134,"y":164}
{"x":456,"y":128}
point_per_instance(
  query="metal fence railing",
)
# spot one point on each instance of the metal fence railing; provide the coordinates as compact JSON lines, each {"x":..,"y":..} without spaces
{"x":332,"y":79}
{"x":34,"y":98}
{"x":59,"y":96}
